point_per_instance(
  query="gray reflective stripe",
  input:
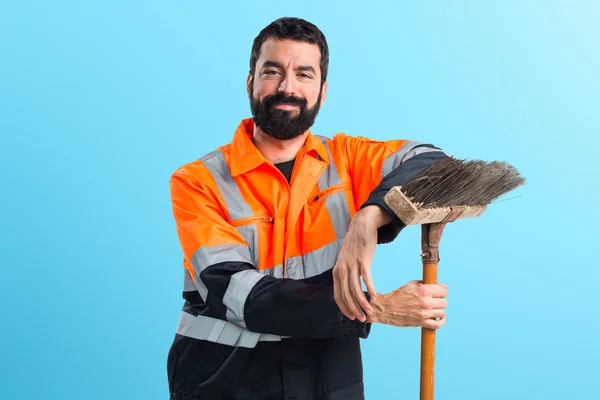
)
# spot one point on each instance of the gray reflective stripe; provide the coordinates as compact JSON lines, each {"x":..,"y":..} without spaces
{"x":293,"y":268}
{"x":190,"y":286}
{"x":236,"y":206}
{"x":240,"y":285}
{"x":321,"y":260}
{"x":314,"y":263}
{"x":275,"y":272}
{"x":405,"y":152}
{"x":250,"y":235}
{"x":218,"y":331}
{"x":209,"y":255}
{"x":330,"y":176}
{"x":336,"y":203}
{"x":188,"y":283}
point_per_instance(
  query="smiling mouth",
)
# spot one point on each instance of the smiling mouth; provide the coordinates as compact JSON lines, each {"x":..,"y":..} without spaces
{"x":286,"y":106}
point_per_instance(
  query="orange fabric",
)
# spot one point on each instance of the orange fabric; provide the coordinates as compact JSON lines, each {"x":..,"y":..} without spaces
{"x":291,"y":220}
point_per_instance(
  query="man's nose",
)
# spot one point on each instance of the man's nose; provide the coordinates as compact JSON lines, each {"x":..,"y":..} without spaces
{"x":287,"y":86}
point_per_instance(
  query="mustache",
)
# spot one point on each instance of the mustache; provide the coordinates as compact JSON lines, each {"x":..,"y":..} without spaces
{"x":280,"y":98}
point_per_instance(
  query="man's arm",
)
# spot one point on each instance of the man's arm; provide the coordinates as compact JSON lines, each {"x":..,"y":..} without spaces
{"x":375,"y":167}
{"x":235,"y":291}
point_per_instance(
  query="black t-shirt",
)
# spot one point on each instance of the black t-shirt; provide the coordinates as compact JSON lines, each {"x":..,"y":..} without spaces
{"x":286,"y":168}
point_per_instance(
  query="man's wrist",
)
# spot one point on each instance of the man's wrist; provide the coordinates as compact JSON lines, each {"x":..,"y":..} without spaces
{"x":376,"y":305}
{"x":376,"y":214}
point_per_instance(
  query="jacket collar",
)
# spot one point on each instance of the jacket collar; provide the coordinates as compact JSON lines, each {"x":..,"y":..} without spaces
{"x":245,"y":156}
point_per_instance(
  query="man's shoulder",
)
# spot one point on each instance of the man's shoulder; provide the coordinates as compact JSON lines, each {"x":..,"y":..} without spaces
{"x":343,"y":140}
{"x":200,"y":166}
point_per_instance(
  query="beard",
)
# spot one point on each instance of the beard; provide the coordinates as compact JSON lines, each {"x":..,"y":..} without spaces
{"x":283,"y":124}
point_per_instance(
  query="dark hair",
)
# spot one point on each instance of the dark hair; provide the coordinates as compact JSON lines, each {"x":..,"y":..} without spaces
{"x":295,"y":29}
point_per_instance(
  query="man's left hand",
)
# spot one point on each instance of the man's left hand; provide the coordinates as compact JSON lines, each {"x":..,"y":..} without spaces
{"x":354,"y":262}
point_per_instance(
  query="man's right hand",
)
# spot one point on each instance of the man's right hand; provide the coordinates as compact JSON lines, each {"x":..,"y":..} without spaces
{"x":414,"y":304}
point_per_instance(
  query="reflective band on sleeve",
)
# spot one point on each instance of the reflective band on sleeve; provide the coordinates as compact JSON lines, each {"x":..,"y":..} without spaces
{"x":196,"y":285}
{"x":210,"y":255}
{"x":240,"y":285}
{"x":407,"y":151}
{"x":219,"y":331}
{"x":236,"y":206}
{"x":188,"y":283}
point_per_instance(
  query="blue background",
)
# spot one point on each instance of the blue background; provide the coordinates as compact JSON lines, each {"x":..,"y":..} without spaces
{"x":100,"y":101}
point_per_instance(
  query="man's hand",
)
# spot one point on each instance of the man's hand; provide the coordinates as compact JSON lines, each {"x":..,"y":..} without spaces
{"x":354,"y":261}
{"x":414,"y":304}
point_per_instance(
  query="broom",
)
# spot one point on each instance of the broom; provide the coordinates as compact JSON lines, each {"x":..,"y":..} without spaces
{"x":448,"y":190}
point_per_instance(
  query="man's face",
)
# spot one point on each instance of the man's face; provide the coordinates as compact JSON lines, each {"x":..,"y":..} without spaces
{"x":285,"y":92}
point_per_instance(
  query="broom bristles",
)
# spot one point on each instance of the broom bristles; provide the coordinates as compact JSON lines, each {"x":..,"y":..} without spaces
{"x":451,"y":182}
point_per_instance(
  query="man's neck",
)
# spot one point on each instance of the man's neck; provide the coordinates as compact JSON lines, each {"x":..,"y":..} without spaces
{"x":276,"y":150}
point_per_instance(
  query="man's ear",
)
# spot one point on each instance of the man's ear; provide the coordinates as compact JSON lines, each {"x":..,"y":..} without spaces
{"x":249,"y":84}
{"x":323,"y":93}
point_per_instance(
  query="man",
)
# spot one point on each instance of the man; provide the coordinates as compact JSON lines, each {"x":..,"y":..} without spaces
{"x":277,"y":228}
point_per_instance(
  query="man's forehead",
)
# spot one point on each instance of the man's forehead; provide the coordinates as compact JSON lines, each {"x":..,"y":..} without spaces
{"x":283,"y":50}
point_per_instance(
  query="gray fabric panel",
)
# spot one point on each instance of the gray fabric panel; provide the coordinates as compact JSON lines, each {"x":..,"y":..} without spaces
{"x":237,"y":292}
{"x":236,"y":205}
{"x":293,"y":268}
{"x":250,"y":234}
{"x":209,"y":255}
{"x":218,"y":331}
{"x":321,"y":260}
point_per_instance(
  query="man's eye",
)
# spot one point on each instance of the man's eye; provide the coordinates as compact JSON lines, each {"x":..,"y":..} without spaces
{"x":271,"y":72}
{"x":307,"y":76}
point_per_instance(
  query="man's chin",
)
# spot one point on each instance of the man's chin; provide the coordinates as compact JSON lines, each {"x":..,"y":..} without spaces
{"x":285,"y":115}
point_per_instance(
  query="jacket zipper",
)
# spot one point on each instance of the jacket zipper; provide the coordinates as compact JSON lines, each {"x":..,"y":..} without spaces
{"x":328,"y":191}
{"x":250,"y":220}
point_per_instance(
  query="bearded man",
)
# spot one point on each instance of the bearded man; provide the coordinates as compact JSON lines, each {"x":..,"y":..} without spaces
{"x":277,"y":229}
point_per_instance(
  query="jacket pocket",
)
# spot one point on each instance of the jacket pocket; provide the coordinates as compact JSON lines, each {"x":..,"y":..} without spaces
{"x":249,"y":229}
{"x":328,"y":192}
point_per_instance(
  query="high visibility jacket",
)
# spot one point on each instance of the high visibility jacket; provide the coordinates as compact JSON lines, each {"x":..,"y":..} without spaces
{"x":260,"y":320}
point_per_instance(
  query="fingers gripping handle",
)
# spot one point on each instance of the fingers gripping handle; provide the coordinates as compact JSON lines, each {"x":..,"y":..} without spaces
{"x":430,"y":239}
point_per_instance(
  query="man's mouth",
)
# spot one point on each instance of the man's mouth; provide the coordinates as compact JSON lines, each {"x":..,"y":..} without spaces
{"x":286,"y":106}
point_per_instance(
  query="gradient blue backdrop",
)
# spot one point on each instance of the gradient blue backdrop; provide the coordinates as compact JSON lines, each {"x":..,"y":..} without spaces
{"x":100,"y":101}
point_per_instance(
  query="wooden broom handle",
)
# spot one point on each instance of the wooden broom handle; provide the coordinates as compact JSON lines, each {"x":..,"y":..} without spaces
{"x":428,"y":343}
{"x":430,"y":239}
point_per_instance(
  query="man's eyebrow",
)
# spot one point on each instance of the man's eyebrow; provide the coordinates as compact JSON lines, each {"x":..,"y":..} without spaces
{"x":276,"y":64}
{"x":306,"y":68}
